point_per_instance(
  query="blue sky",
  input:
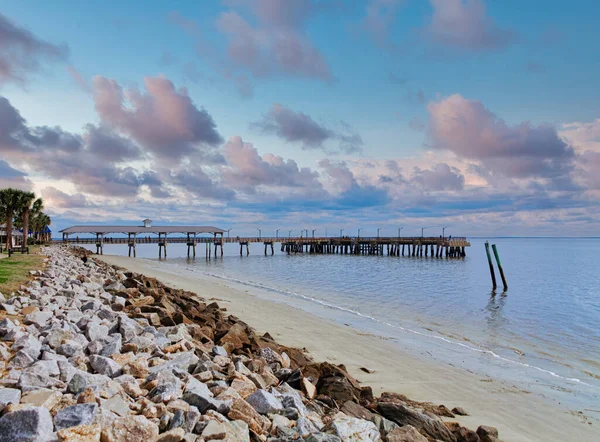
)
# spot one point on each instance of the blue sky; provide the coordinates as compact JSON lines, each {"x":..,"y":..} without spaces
{"x":469,"y":100}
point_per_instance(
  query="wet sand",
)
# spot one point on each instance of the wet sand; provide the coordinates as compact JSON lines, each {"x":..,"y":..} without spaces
{"x":517,"y":415}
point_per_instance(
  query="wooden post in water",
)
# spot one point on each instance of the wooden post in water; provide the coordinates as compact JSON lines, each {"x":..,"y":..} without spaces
{"x":489,"y":257}
{"x":500,"y":266}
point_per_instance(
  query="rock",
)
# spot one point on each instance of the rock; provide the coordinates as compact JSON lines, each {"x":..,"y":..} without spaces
{"x":352,"y":429}
{"x":22,"y":359}
{"x":105,"y":366}
{"x":117,"y":405}
{"x":305,"y":427}
{"x":309,"y":389}
{"x":80,"y":433}
{"x":69,"y":349}
{"x":176,"y":435}
{"x":459,"y":411}
{"x":407,"y":433}
{"x":9,"y":396}
{"x":322,"y":437}
{"x":264,"y":402}
{"x":130,"y":428}
{"x":80,"y":414}
{"x":96,"y":331}
{"x":34,"y":381}
{"x":42,"y":398}
{"x":29,"y":344}
{"x":487,"y":434}
{"x":29,"y":425}
{"x":39,"y":319}
{"x":403,"y":415}
{"x":77,"y":384}
{"x":214,"y":430}
{"x":217,"y":350}
{"x":355,"y":410}
{"x":197,"y":394}
{"x":184,"y":360}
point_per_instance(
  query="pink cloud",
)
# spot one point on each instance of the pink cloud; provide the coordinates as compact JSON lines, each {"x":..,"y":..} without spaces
{"x":164,"y":120}
{"x":464,"y":24}
{"x":471,"y":131}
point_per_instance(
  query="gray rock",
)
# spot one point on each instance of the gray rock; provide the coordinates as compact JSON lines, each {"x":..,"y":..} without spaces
{"x":191,"y":419}
{"x":197,"y":394}
{"x":351,"y":428}
{"x":69,"y":349}
{"x":29,"y":344}
{"x":322,"y":437}
{"x":77,"y":384}
{"x":96,"y":331}
{"x":80,"y":414}
{"x":29,"y":425}
{"x":34,"y":381}
{"x":38,"y":319}
{"x":305,"y":427}
{"x":11,"y":310}
{"x":185,"y":360}
{"x":164,"y":392}
{"x":9,"y":396}
{"x":112,"y":345}
{"x":264,"y":402}
{"x":21,"y":360}
{"x":45,"y":367}
{"x":178,"y":420}
{"x":105,"y":366}
{"x":219,"y":351}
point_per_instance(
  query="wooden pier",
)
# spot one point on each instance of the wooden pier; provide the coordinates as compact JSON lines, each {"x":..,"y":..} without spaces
{"x":434,"y":247}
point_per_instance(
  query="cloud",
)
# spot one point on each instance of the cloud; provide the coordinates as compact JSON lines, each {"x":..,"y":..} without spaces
{"x":247,"y":171}
{"x":10,"y":177}
{"x":465,"y":25}
{"x":109,"y":146}
{"x":347,"y":190}
{"x":57,"y":198}
{"x":440,"y":177}
{"x":79,"y":79}
{"x":466,"y":128}
{"x":274,"y":41}
{"x":164,"y":120}
{"x":298,"y":127}
{"x":22,"y":53}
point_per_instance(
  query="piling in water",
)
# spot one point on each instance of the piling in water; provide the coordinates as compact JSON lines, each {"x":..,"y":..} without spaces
{"x":489,"y":257}
{"x":499,"y":266}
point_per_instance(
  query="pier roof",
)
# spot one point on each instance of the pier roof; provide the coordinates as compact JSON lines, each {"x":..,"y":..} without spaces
{"x":142,"y":229}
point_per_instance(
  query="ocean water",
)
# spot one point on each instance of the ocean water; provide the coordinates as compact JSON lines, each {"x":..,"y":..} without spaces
{"x":541,"y":336}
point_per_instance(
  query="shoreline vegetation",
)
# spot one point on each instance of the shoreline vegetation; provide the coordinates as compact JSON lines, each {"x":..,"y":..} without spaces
{"x":113,"y":355}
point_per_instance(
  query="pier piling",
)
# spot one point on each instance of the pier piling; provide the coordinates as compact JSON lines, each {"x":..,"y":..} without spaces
{"x":489,"y":257}
{"x":500,"y":266}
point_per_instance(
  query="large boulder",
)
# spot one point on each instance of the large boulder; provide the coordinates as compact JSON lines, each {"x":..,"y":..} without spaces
{"x":351,"y":429}
{"x":402,"y":415}
{"x":28,"y":425}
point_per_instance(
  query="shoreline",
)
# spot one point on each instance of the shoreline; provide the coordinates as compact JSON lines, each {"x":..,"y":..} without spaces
{"x":518,"y":415}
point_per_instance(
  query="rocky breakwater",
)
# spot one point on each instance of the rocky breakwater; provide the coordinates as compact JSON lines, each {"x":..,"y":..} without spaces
{"x":94,"y":353}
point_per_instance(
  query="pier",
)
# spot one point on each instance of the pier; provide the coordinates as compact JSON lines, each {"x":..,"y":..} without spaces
{"x":434,"y":247}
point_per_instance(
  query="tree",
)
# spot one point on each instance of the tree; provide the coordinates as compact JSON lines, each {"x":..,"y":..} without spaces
{"x":28,"y":206}
{"x":10,"y":203}
{"x":39,"y":226}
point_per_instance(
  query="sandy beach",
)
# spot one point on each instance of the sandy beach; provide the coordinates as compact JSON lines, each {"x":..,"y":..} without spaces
{"x":518,"y":415}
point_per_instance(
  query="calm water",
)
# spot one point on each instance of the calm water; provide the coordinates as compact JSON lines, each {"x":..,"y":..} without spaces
{"x":542,"y":335}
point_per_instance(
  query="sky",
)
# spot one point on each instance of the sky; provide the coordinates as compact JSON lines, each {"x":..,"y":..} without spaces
{"x":479,"y":115}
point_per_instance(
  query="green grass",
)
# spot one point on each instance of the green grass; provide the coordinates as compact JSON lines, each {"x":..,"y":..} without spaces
{"x":14,"y":270}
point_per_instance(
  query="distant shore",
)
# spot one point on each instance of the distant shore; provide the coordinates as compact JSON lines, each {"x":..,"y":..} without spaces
{"x":518,"y":415}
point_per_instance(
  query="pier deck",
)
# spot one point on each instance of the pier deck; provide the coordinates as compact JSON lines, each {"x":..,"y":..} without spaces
{"x":437,"y":247}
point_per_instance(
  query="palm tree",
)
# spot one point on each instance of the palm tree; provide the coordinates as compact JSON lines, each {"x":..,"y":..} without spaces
{"x":29,"y":206}
{"x":10,"y":203}
{"x":39,"y":224}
